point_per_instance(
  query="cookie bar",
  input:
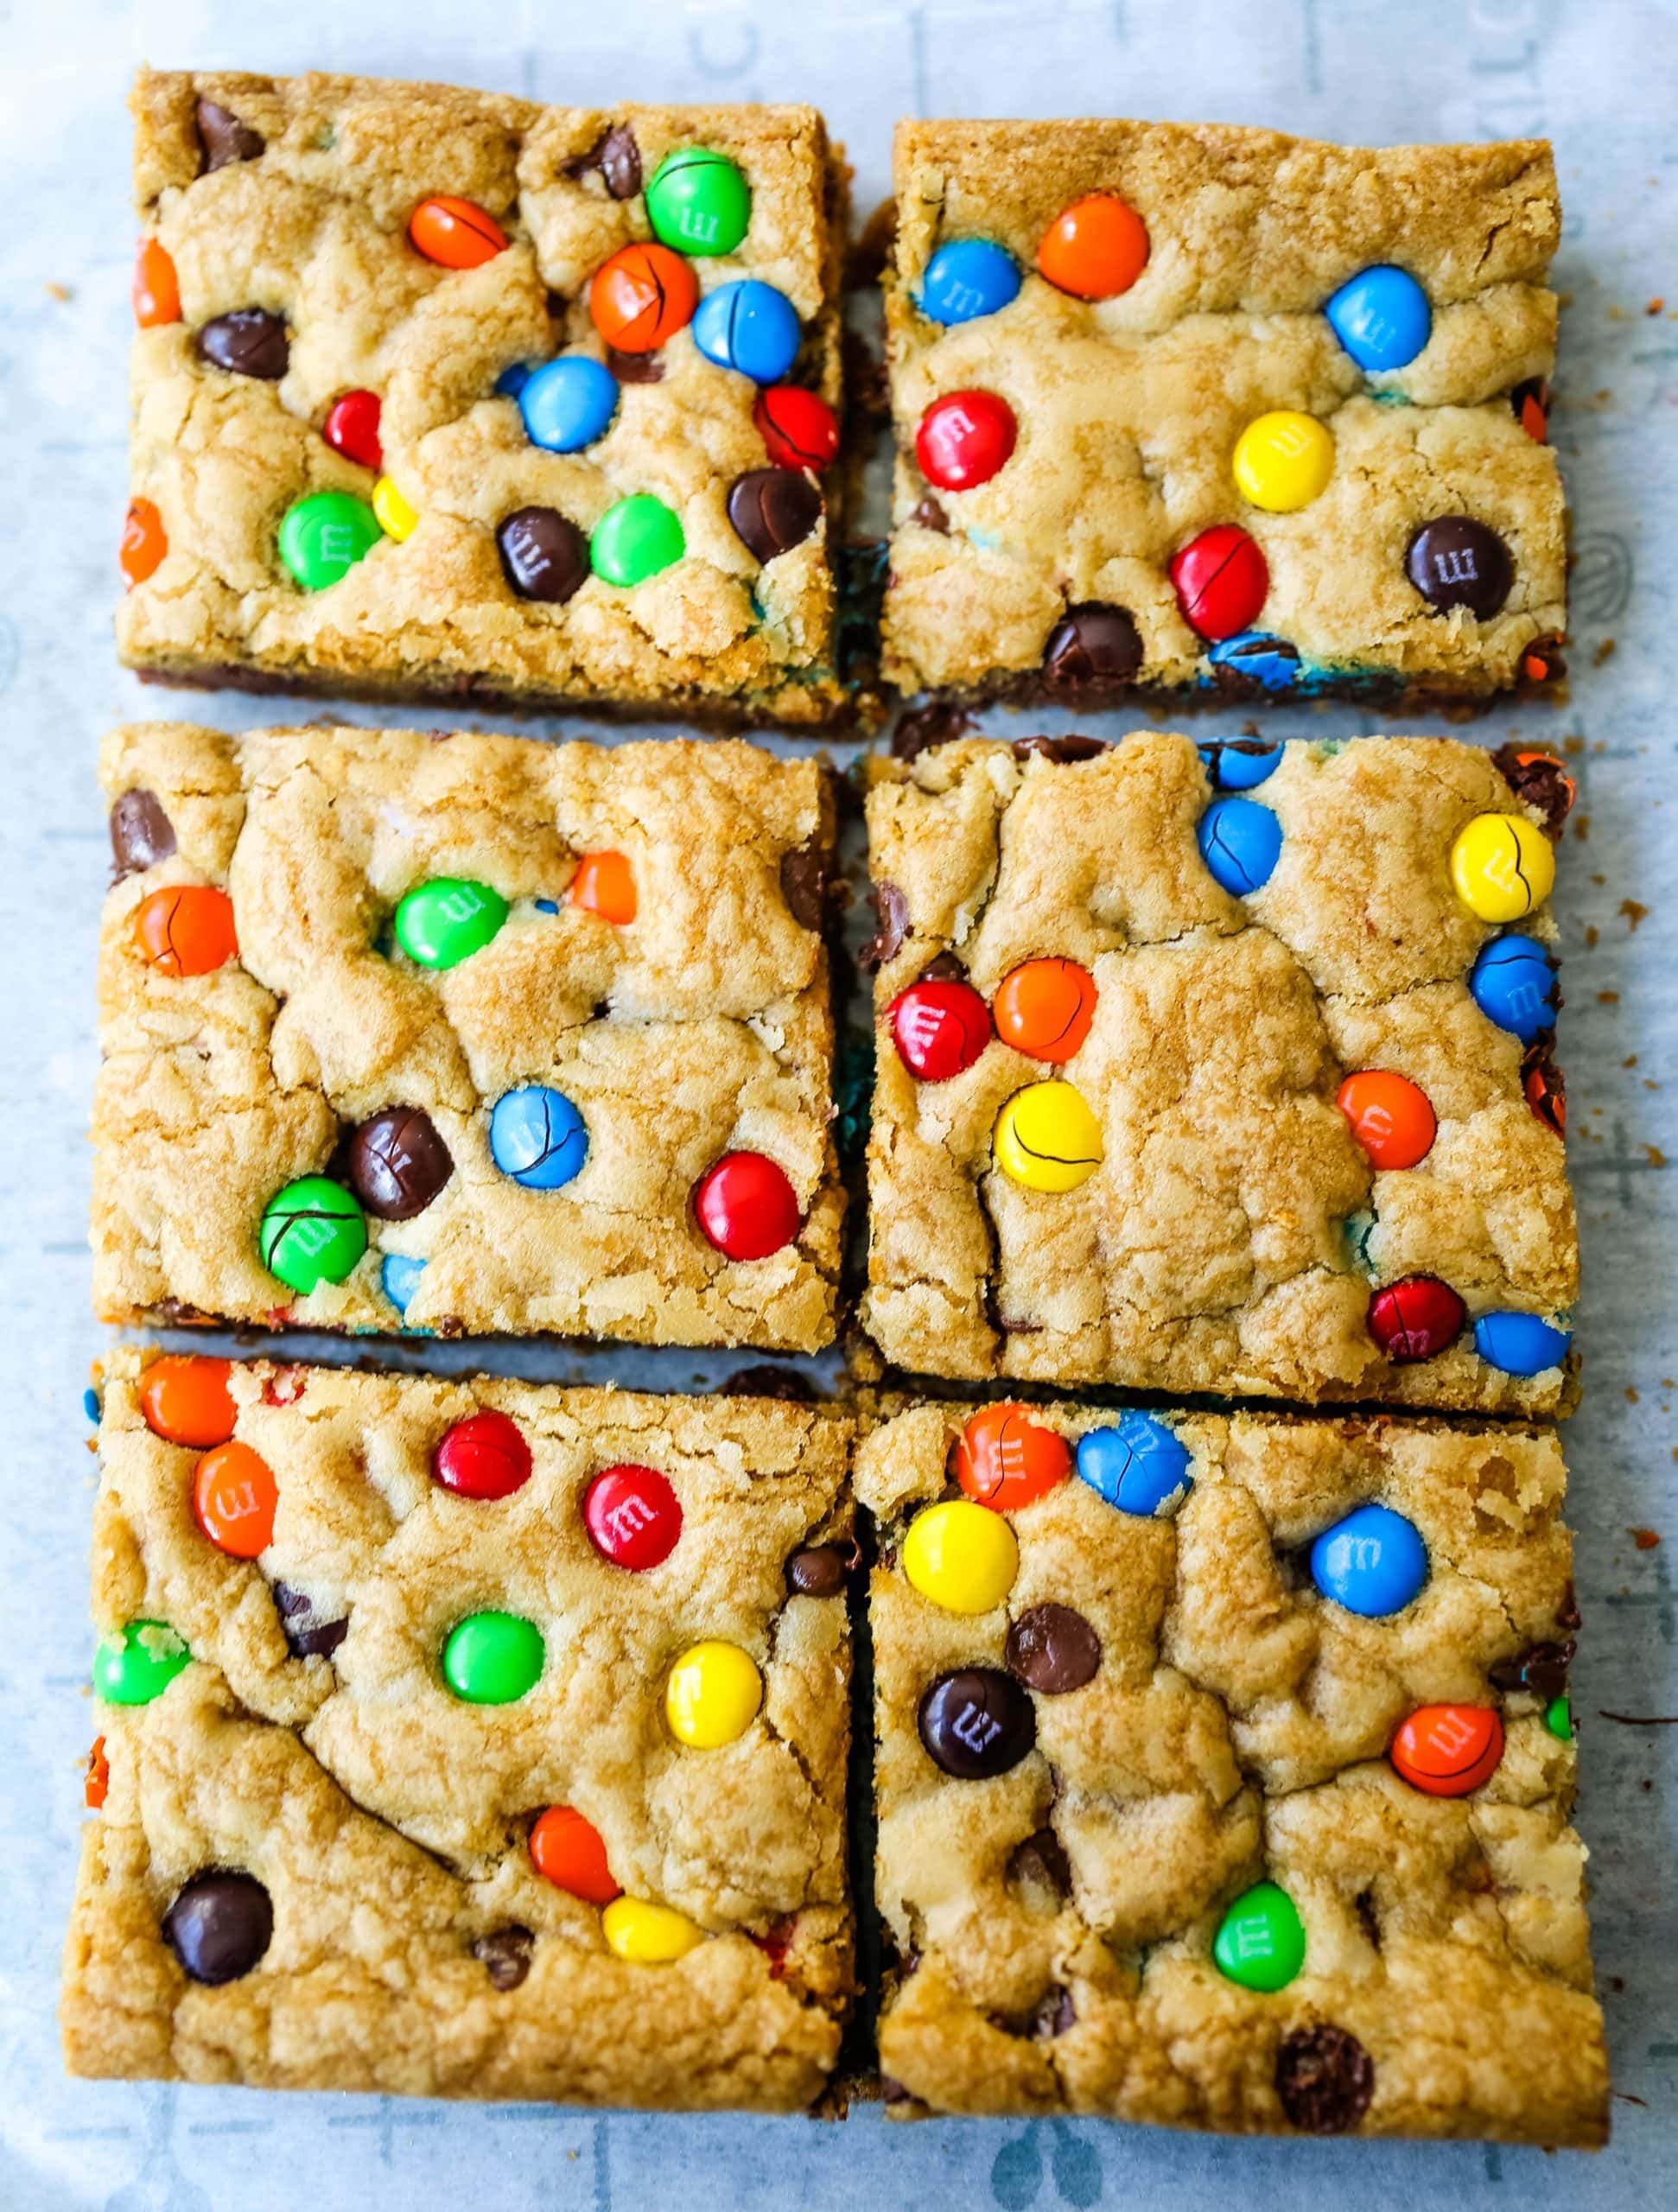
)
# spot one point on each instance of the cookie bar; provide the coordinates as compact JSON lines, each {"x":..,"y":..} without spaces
{"x":1224,"y":1770}
{"x":1185,"y":407}
{"x":440,"y":394}
{"x":1222,"y":1071}
{"x":466,"y":1035}
{"x":465,"y":1738}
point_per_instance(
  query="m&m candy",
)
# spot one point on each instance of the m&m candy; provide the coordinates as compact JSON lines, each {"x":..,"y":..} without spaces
{"x":746,"y":1206}
{"x":1513,"y":983}
{"x":636,"y":538}
{"x":641,"y":297}
{"x":1283,"y":461}
{"x":1531,"y":403}
{"x":976,"y":1722}
{"x":1240,"y":840}
{"x":1372,"y":1563}
{"x":96,"y":1783}
{"x":1502,"y":867}
{"x":351,"y":428}
{"x":492,"y":1658}
{"x":799,"y":428}
{"x":712,"y":1696}
{"x":698,"y":201}
{"x":1520,"y":1343}
{"x":1446,"y":1751}
{"x":323,"y":536}
{"x":445,"y":921}
{"x":234,"y":1500}
{"x":1456,"y":561}
{"x":543,"y":554}
{"x":1261,"y":1940}
{"x":1044,"y":1009}
{"x":1239,"y":764}
{"x":538,"y":1137}
{"x":966,"y":278}
{"x":567,"y":404}
{"x":940,"y":1027}
{"x":186,"y":930}
{"x":397,"y":518}
{"x":1136,"y":1463}
{"x":138,"y":1663}
{"x":512,"y":380}
{"x":1540,"y":1081}
{"x":1005,"y":1460}
{"x":648,"y":1935}
{"x":1092,"y":645}
{"x":1382,"y":317}
{"x":604,"y":885}
{"x":1221,"y":581}
{"x":399,"y":1280}
{"x":219,"y":1926}
{"x":248,"y":342}
{"x":963,"y":439}
{"x":1415,"y":1318}
{"x":1046,"y":1138}
{"x":145,"y":543}
{"x":156,"y":290}
{"x":632,"y":1515}
{"x":1559,"y":1719}
{"x":570,"y":1852}
{"x":485,"y":1456}
{"x":773,"y":510}
{"x":398,"y":1163}
{"x":1255,"y":658}
{"x":1390,"y":1117}
{"x":313,"y":1231}
{"x":960,"y":1556}
{"x":748,"y":326}
{"x":455,"y":234}
{"x":1094,"y":248}
{"x":185,"y":1398}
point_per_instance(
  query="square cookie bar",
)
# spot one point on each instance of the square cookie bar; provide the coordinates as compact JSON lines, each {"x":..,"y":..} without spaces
{"x":1224,"y":1770}
{"x":439,"y":394}
{"x":1223,"y":1071}
{"x":1185,"y":407}
{"x":465,"y":1738}
{"x":466,"y":1035}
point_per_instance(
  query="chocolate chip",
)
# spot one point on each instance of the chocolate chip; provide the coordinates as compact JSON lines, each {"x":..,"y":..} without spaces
{"x":1091,"y":645}
{"x":398,"y":1163}
{"x":635,"y":368}
{"x":770,"y":1381}
{"x":891,"y":925}
{"x":1325,"y":2078}
{"x":505,"y":1955}
{"x":773,"y":510}
{"x":1053,"y":1650}
{"x":804,"y":883}
{"x":544,"y":554}
{"x":931,"y":516}
{"x":219,"y":1926}
{"x":943,"y":968}
{"x":1061,"y":749}
{"x":250,"y":342}
{"x":225,"y":138}
{"x":1538,"y":780}
{"x":1544,"y":1670}
{"x":618,"y":158}
{"x":1040,"y":1863}
{"x":306,"y":1636}
{"x":976,"y":1722}
{"x":938,"y":723}
{"x":1457,"y":561}
{"x":819,"y":1570}
{"x":141,"y":833}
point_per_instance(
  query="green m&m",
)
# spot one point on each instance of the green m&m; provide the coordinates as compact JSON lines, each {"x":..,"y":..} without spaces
{"x":139,"y":1664}
{"x":635,"y":539}
{"x":443,"y":922}
{"x":698,"y":202}
{"x":491,"y":1658}
{"x":1261,"y":1941}
{"x":313,"y":1232}
{"x":324,"y":536}
{"x":1559,"y":1718}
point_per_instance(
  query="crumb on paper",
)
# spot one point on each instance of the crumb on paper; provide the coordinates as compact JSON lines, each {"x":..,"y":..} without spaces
{"x":59,"y":291}
{"x":1657,"y":1157}
{"x":1605,"y":652}
{"x":1655,"y":305}
{"x":1635,"y":912}
{"x":1646,"y":1540}
{"x":1592,"y":933}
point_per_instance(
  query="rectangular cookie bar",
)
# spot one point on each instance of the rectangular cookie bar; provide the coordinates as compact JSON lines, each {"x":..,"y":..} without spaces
{"x":441,"y":394}
{"x":466,"y":1035}
{"x":1224,"y":1771}
{"x":465,"y":1738}
{"x":1188,"y":406}
{"x":1225,"y":1074}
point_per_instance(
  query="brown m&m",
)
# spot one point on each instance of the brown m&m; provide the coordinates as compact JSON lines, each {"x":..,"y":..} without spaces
{"x":398,"y":1163}
{"x":773,"y":510}
{"x":976,"y":1722}
{"x":219,"y":1926}
{"x":543,"y":554}
{"x":1457,"y":561}
{"x":1092,"y":644}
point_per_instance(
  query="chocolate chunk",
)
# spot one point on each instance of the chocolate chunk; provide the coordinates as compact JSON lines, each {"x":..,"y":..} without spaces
{"x":1567,"y":1614}
{"x":938,"y":723}
{"x":770,"y":1381}
{"x":1040,"y":1863}
{"x":773,"y":510}
{"x":1539,"y":780}
{"x":1325,"y":2078}
{"x":804,"y":883}
{"x":543,"y":553}
{"x":505,"y":1955}
{"x":635,"y":368}
{"x":306,"y":1636}
{"x":250,"y":342}
{"x":398,"y":1163}
{"x":891,"y":925}
{"x":1091,"y":646}
{"x":943,"y":968}
{"x":931,"y":516}
{"x":219,"y":1926}
{"x":1457,"y":561}
{"x":1057,"y":2016}
{"x":1061,"y":749}
{"x":976,"y":1722}
{"x":1053,"y":1650}
{"x":224,"y":137}
{"x":1544,"y":1670}
{"x":618,"y":158}
{"x":141,"y":833}
{"x":819,"y":1570}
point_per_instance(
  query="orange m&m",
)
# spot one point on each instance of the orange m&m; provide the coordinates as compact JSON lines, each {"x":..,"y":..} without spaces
{"x":1094,"y":248}
{"x":570,"y":1852}
{"x":1004,"y":1459}
{"x":186,"y":1400}
{"x":234,"y":1496}
{"x":97,"y":1781}
{"x":455,"y":234}
{"x":1390,"y":1117}
{"x":1044,"y":1007}
{"x":604,"y":885}
{"x":642,"y":296}
{"x":156,"y":290}
{"x":186,"y":930}
{"x":1448,"y":1750}
{"x":144,"y":542}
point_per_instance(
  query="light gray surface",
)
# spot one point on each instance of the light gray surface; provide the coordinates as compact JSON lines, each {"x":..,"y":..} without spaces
{"x":1602,"y":80}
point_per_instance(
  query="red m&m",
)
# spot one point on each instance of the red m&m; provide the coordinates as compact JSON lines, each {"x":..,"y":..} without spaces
{"x":234,"y":1499}
{"x":799,"y":428}
{"x":746,"y":1206}
{"x":1415,"y":1318}
{"x":940,"y":1027}
{"x":351,"y":428}
{"x":570,"y":1852}
{"x":1390,"y":1117}
{"x":632,"y":1515}
{"x":455,"y":234}
{"x":1005,"y":1460}
{"x":963,"y":439}
{"x":1448,"y":1750}
{"x":485,"y":1456}
{"x":186,"y":1400}
{"x":1220,"y":580}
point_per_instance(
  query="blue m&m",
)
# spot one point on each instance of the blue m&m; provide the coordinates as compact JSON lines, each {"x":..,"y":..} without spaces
{"x":1382,"y":317}
{"x":1255,"y":656}
{"x":1513,"y":983}
{"x":567,"y":404}
{"x":967,"y":278}
{"x":1520,"y":1343}
{"x":1137,"y":1465}
{"x":538,"y":1137}
{"x":399,"y":1279}
{"x":1240,"y":842}
{"x":750,"y":327}
{"x":1238,"y":763}
{"x":1373,"y":1562}
{"x":512,"y":380}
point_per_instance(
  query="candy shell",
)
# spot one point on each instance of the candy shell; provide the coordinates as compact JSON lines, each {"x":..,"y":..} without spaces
{"x":750,"y":327}
{"x":96,"y":1783}
{"x":1390,"y":1117}
{"x":977,"y":1723}
{"x":323,"y":536}
{"x":940,"y":1027}
{"x":186,"y":930}
{"x":185,"y":1398}
{"x":484,"y":1456}
{"x":636,"y":538}
{"x":513,"y":379}
{"x":567,"y":404}
{"x":1261,"y":1940}
{"x":1540,"y":1082}
{"x":138,"y":1663}
{"x":1415,"y":1318}
{"x":455,"y":234}
{"x":967,"y":278}
{"x":1240,"y":840}
{"x":1137,"y":1465}
{"x":1446,"y":1751}
{"x":1457,"y":561}
{"x":396,"y":518}
{"x":698,"y":201}
{"x":156,"y":290}
{"x":605,"y":885}
{"x":538,"y":1138}
{"x":234,"y":1500}
{"x":492,"y":1658}
{"x":1513,"y":981}
{"x":1372,"y":1563}
{"x":1254,"y":660}
{"x":545,"y":556}
{"x":1094,"y":248}
{"x":633,"y":1517}
{"x":351,"y":428}
{"x":962,"y":1556}
{"x":965,"y":439}
{"x":145,"y":543}
{"x":1044,"y":1009}
{"x":1005,"y":1460}
{"x":1531,"y":403}
{"x":1382,"y":316}
{"x":399,"y":1279}
{"x":746,"y":1206}
{"x":1046,"y":1138}
{"x":648,"y":1935}
{"x":1559,"y":1719}
{"x":1283,"y":461}
{"x":641,"y":297}
{"x":799,"y":428}
{"x":1238,"y":763}
{"x":1221,"y":581}
{"x":1502,"y":867}
{"x":1520,"y":1343}
{"x":445,"y":921}
{"x":312,"y":1232}
{"x":570,"y":1852}
{"x":712,"y":1696}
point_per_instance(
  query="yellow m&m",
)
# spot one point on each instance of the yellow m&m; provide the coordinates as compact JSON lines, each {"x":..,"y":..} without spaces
{"x":1046,"y":1138}
{"x":1503,"y":868}
{"x":396,"y":518}
{"x":1283,"y":460}
{"x":961,"y":1555}
{"x":712,"y":1696}
{"x":648,"y":1935}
